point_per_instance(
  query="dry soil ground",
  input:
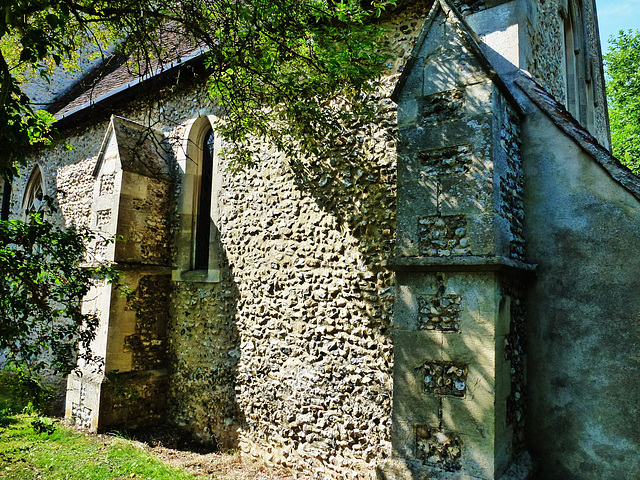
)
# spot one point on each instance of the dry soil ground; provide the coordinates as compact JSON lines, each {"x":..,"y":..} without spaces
{"x":177,"y":452}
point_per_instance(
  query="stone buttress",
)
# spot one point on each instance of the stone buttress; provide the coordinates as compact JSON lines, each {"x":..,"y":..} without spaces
{"x":130,"y":217}
{"x":459,"y":365}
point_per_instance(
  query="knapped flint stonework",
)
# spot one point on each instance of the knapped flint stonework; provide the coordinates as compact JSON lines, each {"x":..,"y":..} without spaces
{"x":439,"y":312}
{"x":151,"y":229}
{"x":445,"y":378}
{"x":151,"y":304}
{"x":546,"y":37}
{"x":443,"y":236}
{"x":74,"y":188}
{"x":515,"y":354}
{"x":447,"y":161}
{"x":138,"y":398}
{"x":103,"y":217}
{"x":443,"y":106}
{"x":323,"y":376}
{"x":80,"y":413}
{"x":511,"y":184}
{"x":285,"y":352}
{"x":468,"y":7}
{"x":439,"y":448}
{"x":203,"y":342}
{"x":289,"y":356}
{"x":107,"y":182}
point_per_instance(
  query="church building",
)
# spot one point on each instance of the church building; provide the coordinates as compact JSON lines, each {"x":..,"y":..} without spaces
{"x":449,"y":292}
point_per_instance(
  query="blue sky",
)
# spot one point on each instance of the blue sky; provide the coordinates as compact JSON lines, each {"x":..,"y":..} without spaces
{"x":616,"y":15}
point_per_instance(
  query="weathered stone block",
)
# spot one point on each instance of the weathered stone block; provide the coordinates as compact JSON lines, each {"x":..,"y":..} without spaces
{"x":408,"y":113}
{"x":469,"y":70}
{"x":439,"y":74}
{"x":481,"y":234}
{"x":468,"y":195}
{"x":468,"y":347}
{"x":474,"y":414}
{"x":478,"y":98}
{"x":409,"y":411}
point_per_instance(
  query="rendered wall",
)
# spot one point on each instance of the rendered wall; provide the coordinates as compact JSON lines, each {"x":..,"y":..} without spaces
{"x":582,"y":230}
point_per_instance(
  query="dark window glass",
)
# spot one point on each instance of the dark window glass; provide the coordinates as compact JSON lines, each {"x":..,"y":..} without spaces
{"x":6,"y":199}
{"x":203,"y":219}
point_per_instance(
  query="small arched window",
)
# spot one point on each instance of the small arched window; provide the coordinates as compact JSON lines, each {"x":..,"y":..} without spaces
{"x":6,"y":198}
{"x":578,"y":82}
{"x":197,"y":253}
{"x":34,"y":193}
{"x":203,"y":208}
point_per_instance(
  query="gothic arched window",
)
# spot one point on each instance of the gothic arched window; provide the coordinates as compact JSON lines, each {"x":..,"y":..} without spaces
{"x":6,"y":198}
{"x":578,"y":82}
{"x":203,"y":208}
{"x":32,"y":201}
{"x":197,"y":255}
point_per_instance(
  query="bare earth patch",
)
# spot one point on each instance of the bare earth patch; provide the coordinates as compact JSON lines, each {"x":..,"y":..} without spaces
{"x":170,"y":447}
{"x":220,"y":465}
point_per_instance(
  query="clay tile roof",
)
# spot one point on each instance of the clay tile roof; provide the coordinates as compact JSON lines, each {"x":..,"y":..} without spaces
{"x":118,"y":73}
{"x":565,"y":121}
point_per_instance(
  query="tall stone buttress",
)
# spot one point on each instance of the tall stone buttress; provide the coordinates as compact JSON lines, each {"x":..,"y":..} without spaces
{"x":459,"y":364}
{"x":130,"y":217}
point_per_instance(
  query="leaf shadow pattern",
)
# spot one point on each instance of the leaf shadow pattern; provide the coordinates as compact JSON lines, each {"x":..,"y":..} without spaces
{"x":355,"y":182}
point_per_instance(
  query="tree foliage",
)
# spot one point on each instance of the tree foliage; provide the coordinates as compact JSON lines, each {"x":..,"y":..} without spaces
{"x":43,"y":279}
{"x":290,"y":71}
{"x":622,"y":64}
{"x":303,"y":67}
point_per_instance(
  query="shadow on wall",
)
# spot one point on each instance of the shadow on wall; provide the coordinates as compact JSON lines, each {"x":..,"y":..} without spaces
{"x":204,"y":350}
{"x":355,"y":182}
{"x":446,"y":413}
{"x":305,"y":238}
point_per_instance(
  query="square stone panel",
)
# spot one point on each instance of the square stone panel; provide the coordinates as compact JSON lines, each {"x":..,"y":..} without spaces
{"x":438,"y":448}
{"x":439,"y":312}
{"x":441,"y":106}
{"x":443,"y":236}
{"x":446,"y":161}
{"x":443,"y":378}
{"x":103,"y":217}
{"x":107,"y":183}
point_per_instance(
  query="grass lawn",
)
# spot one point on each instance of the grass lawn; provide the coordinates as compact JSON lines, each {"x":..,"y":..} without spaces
{"x":35,"y":447}
{"x":64,"y":454}
{"x":29,"y":452}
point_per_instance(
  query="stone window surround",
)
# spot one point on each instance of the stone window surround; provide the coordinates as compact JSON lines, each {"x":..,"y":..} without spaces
{"x":189,"y":158}
{"x":35,"y":185}
{"x":578,"y":83}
